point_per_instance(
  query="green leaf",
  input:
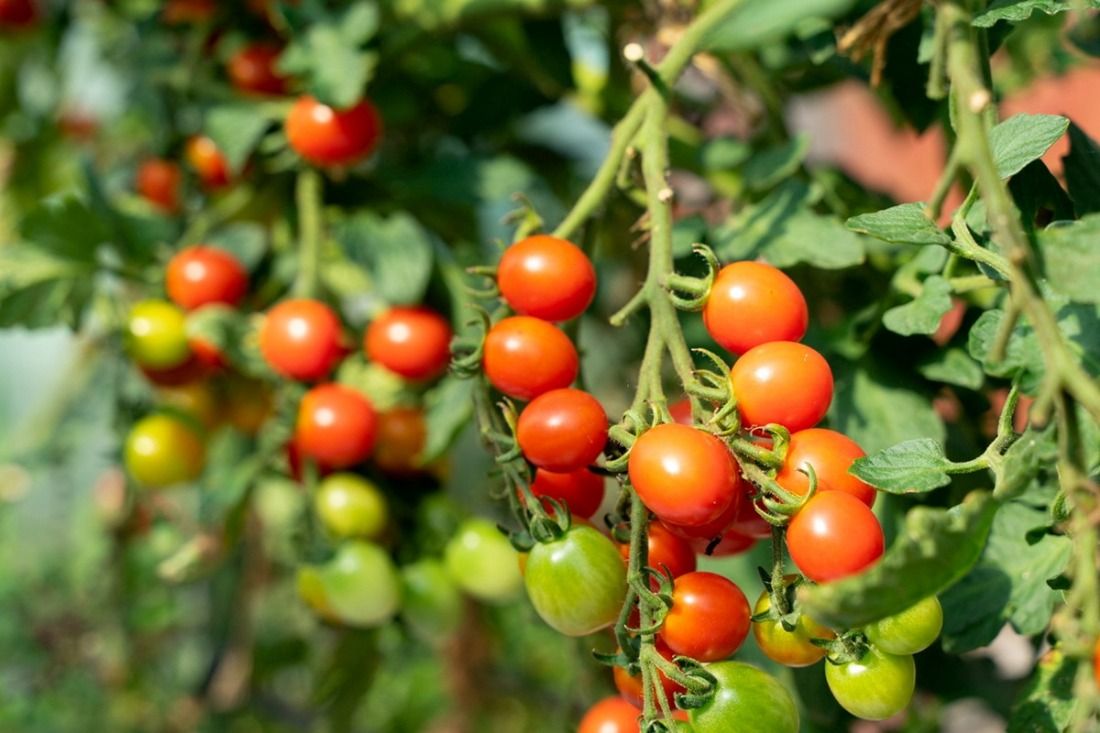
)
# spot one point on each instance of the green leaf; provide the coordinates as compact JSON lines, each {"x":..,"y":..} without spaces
{"x":1082,"y":170}
{"x":723,"y":153}
{"x":1009,"y":583}
{"x":1021,"y":358}
{"x":247,"y":241}
{"x":912,"y":467}
{"x":1046,"y":703}
{"x":1031,"y":453}
{"x":1071,"y":258}
{"x":1039,"y":196}
{"x":1023,"y":138}
{"x":770,"y":166}
{"x":360,"y":22}
{"x":923,"y":313}
{"x":1017,"y":10}
{"x":757,"y":23}
{"x":38,"y":290}
{"x":236,"y":129}
{"x":447,"y":408}
{"x":330,"y":55}
{"x":952,"y":366}
{"x":64,"y":226}
{"x":902,"y":224}
{"x":397,"y":251}
{"x":933,"y":550}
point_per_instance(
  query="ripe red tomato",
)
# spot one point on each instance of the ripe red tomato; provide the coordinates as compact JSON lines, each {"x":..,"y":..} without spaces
{"x":17,"y":13}
{"x":709,"y":618}
{"x":630,"y":686}
{"x":666,"y":551}
{"x":201,"y":275}
{"x":834,"y":535}
{"x":546,"y":277}
{"x":831,"y":455}
{"x":326,"y":136}
{"x":562,"y":430}
{"x":611,"y":715}
{"x":252,"y":69}
{"x":782,"y":382}
{"x":746,"y":521}
{"x":336,"y":426}
{"x":753,"y":303}
{"x":401,"y":437}
{"x":525,"y":357}
{"x":412,"y":342}
{"x":301,"y":339}
{"x":683,"y":475}
{"x":158,"y":182}
{"x":731,"y":543}
{"x":680,"y":410}
{"x":580,"y":490}
{"x":207,"y":161}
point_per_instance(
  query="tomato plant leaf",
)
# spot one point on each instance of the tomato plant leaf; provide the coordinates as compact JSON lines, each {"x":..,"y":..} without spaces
{"x":932,"y":551}
{"x":1071,"y":258}
{"x":757,"y":23}
{"x":902,"y":224}
{"x":1017,"y":10}
{"x":771,"y":165}
{"x":1022,"y":357}
{"x":66,"y":227}
{"x":39,"y":290}
{"x":237,"y":129}
{"x":1009,"y":583}
{"x":1023,"y":138}
{"x":329,"y":55}
{"x":912,"y":467}
{"x":1039,"y":196}
{"x":1082,"y":170}
{"x":952,"y":366}
{"x":923,"y":313}
{"x":246,"y":241}
{"x":1046,"y":704}
{"x":1023,"y":460}
{"x":448,"y":406}
{"x":396,"y":250}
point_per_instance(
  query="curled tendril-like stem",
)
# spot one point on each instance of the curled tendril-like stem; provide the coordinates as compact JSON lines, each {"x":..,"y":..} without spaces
{"x":524,"y":217}
{"x":691,"y":293}
{"x":490,"y":290}
{"x":467,"y":350}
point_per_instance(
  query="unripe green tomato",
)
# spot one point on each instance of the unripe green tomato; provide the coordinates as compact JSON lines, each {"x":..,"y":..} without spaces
{"x":163,"y":450}
{"x":483,"y":562}
{"x":432,"y":603}
{"x":156,"y":335}
{"x":359,"y":584}
{"x":351,"y":506}
{"x":312,"y":590}
{"x":911,"y":631}
{"x":876,"y":687}
{"x":746,"y":699}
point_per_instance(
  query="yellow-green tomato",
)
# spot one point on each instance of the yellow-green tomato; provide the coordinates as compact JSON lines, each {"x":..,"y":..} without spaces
{"x":791,"y":648}
{"x":432,"y":603}
{"x":163,"y":450}
{"x":481,"y":560}
{"x":156,"y":335}
{"x":911,"y":631}
{"x":745,"y":699}
{"x":350,"y":506}
{"x":876,"y":687}
{"x":359,"y":586}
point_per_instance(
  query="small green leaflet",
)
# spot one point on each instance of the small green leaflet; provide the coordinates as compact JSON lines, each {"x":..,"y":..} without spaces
{"x":397,"y":251}
{"x":923,"y":313}
{"x":902,"y":224}
{"x":1082,"y":169}
{"x":1022,"y":356}
{"x":1023,"y":461}
{"x":247,"y":241}
{"x":330,"y":55}
{"x":1023,"y":138}
{"x":952,"y":366}
{"x":756,"y":23}
{"x":1046,"y":705}
{"x":768,"y":167}
{"x":1071,"y":258}
{"x":912,"y":467}
{"x":1017,"y":10}
{"x":448,"y":406}
{"x":237,"y":129}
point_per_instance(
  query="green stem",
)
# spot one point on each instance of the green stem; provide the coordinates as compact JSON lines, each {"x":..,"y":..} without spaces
{"x":310,"y":232}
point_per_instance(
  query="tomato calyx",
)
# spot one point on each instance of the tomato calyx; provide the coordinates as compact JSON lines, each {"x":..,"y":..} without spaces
{"x":845,"y":648}
{"x":784,"y":607}
{"x":688,"y":292}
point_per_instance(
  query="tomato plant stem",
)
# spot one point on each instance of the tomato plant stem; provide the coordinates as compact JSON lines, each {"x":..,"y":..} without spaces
{"x":310,"y":232}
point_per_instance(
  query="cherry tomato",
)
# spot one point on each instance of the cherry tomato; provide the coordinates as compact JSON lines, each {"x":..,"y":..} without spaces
{"x":201,"y":275}
{"x":206,"y":353}
{"x":746,"y":699}
{"x":611,"y":715}
{"x":630,"y":686}
{"x":301,"y":339}
{"x":336,"y":426}
{"x":577,"y":583}
{"x":911,"y":631}
{"x":729,"y":544}
{"x":196,"y":399}
{"x":666,"y":551}
{"x":325,"y":136}
{"x":831,"y":454}
{"x":412,"y":342}
{"x":790,"y":648}
{"x":746,"y":522}
{"x":431,"y":603}
{"x":680,"y":410}
{"x":580,"y":490}
{"x":253,"y":70}
{"x":782,"y":382}
{"x":833,"y":536}
{"x":525,"y":357}
{"x":158,"y":182}
{"x":402,"y":433}
{"x":481,"y":560}
{"x":208,"y":162}
{"x":705,"y":532}
{"x":753,"y":303}
{"x":18,"y":13}
{"x":189,"y":12}
{"x":546,"y":277}
{"x":709,"y":618}
{"x":876,"y":687}
{"x":562,"y":430}
{"x":350,"y":506}
{"x":359,"y":586}
{"x":156,"y":335}
{"x":683,"y":475}
{"x":162,"y":450}
{"x":248,"y":404}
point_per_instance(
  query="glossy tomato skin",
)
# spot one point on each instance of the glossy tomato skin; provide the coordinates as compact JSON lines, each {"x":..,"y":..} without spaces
{"x":336,"y":426}
{"x":252,"y":69}
{"x":349,"y":505}
{"x":414,"y":342}
{"x":525,"y":357}
{"x":562,"y":430}
{"x":831,"y":454}
{"x":709,"y":618}
{"x":782,"y":382}
{"x":158,"y":182}
{"x":201,"y":275}
{"x":481,"y":560}
{"x":611,"y":715}
{"x":402,"y":434}
{"x":876,"y":687}
{"x":576,"y":583}
{"x":911,"y":631}
{"x":833,"y":536}
{"x":207,"y":161}
{"x":581,"y":490}
{"x":163,"y":450}
{"x":680,"y":410}
{"x":359,"y":586}
{"x":546,"y":277}
{"x":17,"y":13}
{"x":326,"y":136}
{"x":746,"y":699}
{"x":789,"y":648}
{"x":156,"y":335}
{"x":683,"y":475}
{"x":753,"y":303}
{"x":301,"y":339}
{"x":666,"y":551}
